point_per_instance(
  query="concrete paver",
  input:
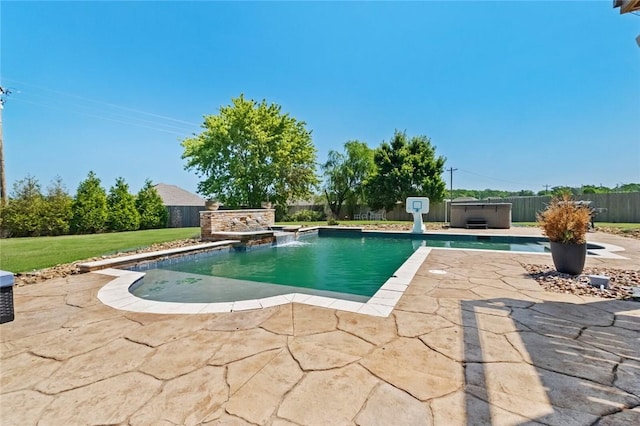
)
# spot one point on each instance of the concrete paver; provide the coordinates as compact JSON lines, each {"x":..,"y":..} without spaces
{"x":481,"y":343}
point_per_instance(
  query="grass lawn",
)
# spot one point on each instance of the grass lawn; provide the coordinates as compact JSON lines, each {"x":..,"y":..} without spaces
{"x":625,"y":227}
{"x":27,"y":254}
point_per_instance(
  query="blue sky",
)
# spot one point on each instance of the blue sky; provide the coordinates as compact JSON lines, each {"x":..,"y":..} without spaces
{"x":516,"y":95}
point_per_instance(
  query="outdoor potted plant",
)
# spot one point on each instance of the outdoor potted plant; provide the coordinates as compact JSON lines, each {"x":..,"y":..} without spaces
{"x":212,"y":204}
{"x":565,"y":223}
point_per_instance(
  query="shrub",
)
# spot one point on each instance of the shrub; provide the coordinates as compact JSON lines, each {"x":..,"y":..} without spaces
{"x":22,"y":215}
{"x":121,"y":208}
{"x":57,"y":213}
{"x":304,"y":216}
{"x":89,"y":209}
{"x":565,"y":221}
{"x":153,"y":213}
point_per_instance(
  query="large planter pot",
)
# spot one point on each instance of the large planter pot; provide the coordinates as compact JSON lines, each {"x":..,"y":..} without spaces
{"x":212,"y":205}
{"x":569,"y":258}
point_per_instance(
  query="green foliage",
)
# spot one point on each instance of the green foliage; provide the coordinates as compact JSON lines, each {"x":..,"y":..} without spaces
{"x":405,"y":167}
{"x":346,"y":174}
{"x":558,"y":191}
{"x":627,"y":187}
{"x":121,"y":208}
{"x":89,"y":208}
{"x":561,"y":191}
{"x":153,"y":214}
{"x":304,"y":216}
{"x":57,"y":214}
{"x":252,"y":152}
{"x":22,"y":215}
{"x":482,"y":194}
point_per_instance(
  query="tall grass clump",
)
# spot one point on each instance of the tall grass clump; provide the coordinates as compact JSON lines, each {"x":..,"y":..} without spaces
{"x":565,"y":221}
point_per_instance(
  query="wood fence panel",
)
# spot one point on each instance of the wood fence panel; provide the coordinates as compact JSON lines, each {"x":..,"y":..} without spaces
{"x":620,"y":207}
{"x":184,"y":216}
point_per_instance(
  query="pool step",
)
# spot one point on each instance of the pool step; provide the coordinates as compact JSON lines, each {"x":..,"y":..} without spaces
{"x":477,"y":224}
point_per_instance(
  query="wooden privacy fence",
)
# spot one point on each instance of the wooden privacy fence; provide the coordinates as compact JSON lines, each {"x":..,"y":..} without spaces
{"x":184,"y":216}
{"x":618,"y":207}
{"x":436,"y":212}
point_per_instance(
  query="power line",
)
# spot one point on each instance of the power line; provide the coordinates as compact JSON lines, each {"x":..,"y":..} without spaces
{"x":50,"y":101}
{"x":104,"y":118}
{"x":58,"y":92}
{"x":498,"y":179}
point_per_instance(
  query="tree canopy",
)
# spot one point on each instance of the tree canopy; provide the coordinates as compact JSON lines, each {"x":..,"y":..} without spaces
{"x":345,"y":175}
{"x":405,"y":167}
{"x":252,"y":152}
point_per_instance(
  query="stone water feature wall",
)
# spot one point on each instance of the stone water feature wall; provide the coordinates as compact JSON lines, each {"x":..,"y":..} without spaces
{"x":250,"y":220}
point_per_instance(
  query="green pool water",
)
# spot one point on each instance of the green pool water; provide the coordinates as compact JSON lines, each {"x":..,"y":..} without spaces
{"x":356,"y":266}
{"x":347,"y":267}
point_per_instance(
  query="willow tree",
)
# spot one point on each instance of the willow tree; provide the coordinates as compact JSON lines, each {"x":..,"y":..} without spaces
{"x":251,"y":153}
{"x":345,"y":175}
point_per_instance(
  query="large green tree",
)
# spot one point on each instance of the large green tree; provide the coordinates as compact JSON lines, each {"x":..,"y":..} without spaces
{"x":405,"y":167}
{"x":89,"y":208}
{"x":252,"y":152}
{"x":121,"y":208}
{"x":153,"y":213}
{"x":345,"y":175}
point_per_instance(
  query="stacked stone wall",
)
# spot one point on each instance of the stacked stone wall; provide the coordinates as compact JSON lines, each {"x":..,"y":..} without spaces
{"x":212,"y":221}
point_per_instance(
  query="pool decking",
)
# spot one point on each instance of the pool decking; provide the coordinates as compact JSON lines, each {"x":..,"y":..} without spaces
{"x":479,"y":344}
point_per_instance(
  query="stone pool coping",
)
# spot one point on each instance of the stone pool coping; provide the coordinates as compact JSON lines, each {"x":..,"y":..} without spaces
{"x":116,"y":294}
{"x":139,"y":257}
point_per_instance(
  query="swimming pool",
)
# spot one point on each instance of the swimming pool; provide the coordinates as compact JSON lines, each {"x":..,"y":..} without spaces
{"x":343,"y":264}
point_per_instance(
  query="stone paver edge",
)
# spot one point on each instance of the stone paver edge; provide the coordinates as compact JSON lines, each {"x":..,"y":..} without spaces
{"x":116,"y":261}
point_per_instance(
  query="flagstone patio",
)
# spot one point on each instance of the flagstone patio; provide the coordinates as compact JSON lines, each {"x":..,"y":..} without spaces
{"x":481,"y":344}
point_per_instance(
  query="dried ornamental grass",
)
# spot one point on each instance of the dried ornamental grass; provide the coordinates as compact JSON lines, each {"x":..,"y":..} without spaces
{"x":564,"y":221}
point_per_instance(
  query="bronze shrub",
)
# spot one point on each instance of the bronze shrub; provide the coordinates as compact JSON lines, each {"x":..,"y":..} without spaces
{"x":564,"y":221}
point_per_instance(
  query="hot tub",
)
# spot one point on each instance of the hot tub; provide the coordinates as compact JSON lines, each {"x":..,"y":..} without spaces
{"x":494,"y":215}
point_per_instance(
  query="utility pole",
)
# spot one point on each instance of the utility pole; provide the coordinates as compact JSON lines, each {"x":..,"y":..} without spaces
{"x":451,"y":170}
{"x":3,"y":183}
